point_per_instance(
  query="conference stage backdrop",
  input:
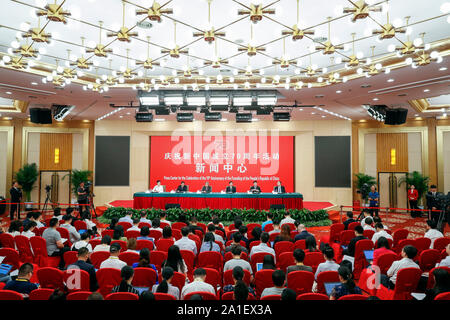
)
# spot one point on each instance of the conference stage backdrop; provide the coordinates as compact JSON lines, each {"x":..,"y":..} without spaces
{"x":220,"y":159}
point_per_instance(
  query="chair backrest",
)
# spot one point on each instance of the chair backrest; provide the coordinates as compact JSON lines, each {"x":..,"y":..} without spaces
{"x":178,"y":225}
{"x":199,"y":234}
{"x":210,"y":259}
{"x":441,"y":243}
{"x":312,"y":296}
{"x":202,"y":225}
{"x":80,"y":225}
{"x":164,"y":244}
{"x":10,"y":295}
{"x":263,"y":279}
{"x":268,"y":227}
{"x":98,"y":257}
{"x":257,"y":258}
{"x":228,"y":277}
{"x":398,"y":235}
{"x":300,"y":281}
{"x":40,"y":294}
{"x":157,"y":258}
{"x":140,"y":244}
{"x":360,"y":259}
{"x":144,"y":277}
{"x":220,"y":233}
{"x":107,"y":279}
{"x":353,"y":297}
{"x":345,"y":237}
{"x":78,"y":295}
{"x":431,"y":280}
{"x":129,"y":257}
{"x":64,"y":234}
{"x":335,"y":230}
{"x":94,"y":243}
{"x":285,"y":260}
{"x":7,"y":240}
{"x":70,"y":257}
{"x":176,"y":233}
{"x":272,"y":297}
{"x":178,"y":280}
{"x":422,"y":244}
{"x":51,"y":278}
{"x":407,"y":281}
{"x":300,"y":244}
{"x":108,"y":232}
{"x":283,"y":246}
{"x":205,"y":295}
{"x":132,"y":234}
{"x":11,"y":257}
{"x":324,"y":277}
{"x":126,"y":225}
{"x":353,"y":225}
{"x":368,"y":234}
{"x":163,"y":296}
{"x":144,"y":224}
{"x":24,"y":247}
{"x":254,"y":243}
{"x":272,"y":236}
{"x":122,"y":243}
{"x":313,"y":259}
{"x":402,"y":243}
{"x":443,"y":296}
{"x":77,"y":280}
{"x":385,"y":261}
{"x":251,"y":226}
{"x":428,"y":259}
{"x":189,"y":259}
{"x":227,"y":296}
{"x":122,"y":296}
{"x":155,"y":234}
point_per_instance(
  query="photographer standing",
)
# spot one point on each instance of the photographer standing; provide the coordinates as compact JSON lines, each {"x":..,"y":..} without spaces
{"x":82,"y":197}
{"x":16,"y":198}
{"x":374,"y":200}
{"x":433,"y":203}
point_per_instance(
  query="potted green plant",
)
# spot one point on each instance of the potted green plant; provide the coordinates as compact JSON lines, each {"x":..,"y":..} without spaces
{"x":363,"y":183}
{"x":26,"y":177}
{"x":419,"y":181}
{"x":76,"y":177}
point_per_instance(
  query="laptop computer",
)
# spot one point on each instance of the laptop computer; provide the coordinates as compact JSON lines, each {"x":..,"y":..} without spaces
{"x":369,"y":255}
{"x":329,"y":286}
{"x":141,"y":289}
{"x":344,"y":247}
{"x":5,"y":269}
{"x":259,"y":266}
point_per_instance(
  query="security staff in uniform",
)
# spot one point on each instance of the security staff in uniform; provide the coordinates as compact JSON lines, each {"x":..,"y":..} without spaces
{"x":16,"y":198}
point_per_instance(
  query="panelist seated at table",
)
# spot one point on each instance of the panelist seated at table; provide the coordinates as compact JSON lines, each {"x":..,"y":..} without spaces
{"x":279,"y":188}
{"x":206,"y":188}
{"x":255,"y":188}
{"x":158,"y":187}
{"x":230,"y":188}
{"x":182,"y":187}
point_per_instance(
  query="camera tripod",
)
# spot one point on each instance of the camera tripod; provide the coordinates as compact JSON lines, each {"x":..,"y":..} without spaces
{"x":47,"y":198}
{"x":91,"y":206}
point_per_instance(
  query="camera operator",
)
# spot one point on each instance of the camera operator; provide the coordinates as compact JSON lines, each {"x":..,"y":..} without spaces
{"x":374,"y":200}
{"x":82,"y":192}
{"x":433,"y":202}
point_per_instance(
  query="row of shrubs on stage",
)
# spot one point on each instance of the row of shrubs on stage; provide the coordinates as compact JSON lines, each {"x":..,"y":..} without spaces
{"x":305,"y":216}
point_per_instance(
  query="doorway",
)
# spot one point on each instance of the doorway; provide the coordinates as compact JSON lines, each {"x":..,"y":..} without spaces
{"x":391,"y":194}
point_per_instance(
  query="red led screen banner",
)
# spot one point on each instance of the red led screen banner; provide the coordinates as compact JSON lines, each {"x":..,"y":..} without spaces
{"x":220,"y":159}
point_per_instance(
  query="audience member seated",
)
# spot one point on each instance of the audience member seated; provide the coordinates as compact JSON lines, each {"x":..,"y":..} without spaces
{"x":113,"y":261}
{"x":441,"y":285}
{"x":238,"y":275}
{"x":127,"y":274}
{"x":243,"y":231}
{"x":175,"y":260}
{"x":237,"y":237}
{"x":432,"y":232}
{"x":268,"y":263}
{"x":119,"y":233}
{"x":366,"y":214}
{"x":74,"y":236}
{"x":135,"y":226}
{"x":278,"y":279}
{"x":198,"y":285}
{"x":131,"y":245}
{"x":167,"y":233}
{"x":147,"y":296}
{"x":184,"y":243}
{"x":145,"y":232}
{"x":162,"y":218}
{"x":14,"y":228}
{"x":57,"y":213}
{"x":144,"y":218}
{"x":350,"y":251}
{"x":285,"y":235}
{"x":193,"y":225}
{"x":236,"y":261}
{"x":104,"y":244}
{"x":165,"y":286}
{"x":144,"y":261}
{"x":156,"y":223}
{"x":237,"y":223}
{"x":302,"y":233}
{"x":408,"y":253}
{"x":256,"y":235}
{"x":377,"y":219}
{"x":219,"y":226}
{"x":382,"y":248}
{"x":262,"y":247}
{"x":276,"y":227}
{"x":241,"y":291}
{"x":287,"y":218}
{"x":329,"y":264}
{"x":380,"y":232}
{"x":81,"y":263}
{"x":349,"y":220}
{"x":57,"y":295}
{"x":28,"y":229}
{"x":95,"y":296}
{"x":268,"y":221}
{"x":368,"y":224}
{"x":127,"y":217}
{"x":347,"y":285}
{"x":288,"y":295}
{"x":446,"y":261}
{"x":55,"y":247}
{"x":310,"y":244}
{"x":83,"y":243}
{"x":299,"y":257}
{"x":112,"y":224}
{"x":209,"y":244}
{"x":217,"y":237}
{"x":22,"y":283}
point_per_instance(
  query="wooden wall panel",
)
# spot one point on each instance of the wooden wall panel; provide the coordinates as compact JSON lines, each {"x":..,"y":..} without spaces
{"x":386,"y":142}
{"x":50,"y":141}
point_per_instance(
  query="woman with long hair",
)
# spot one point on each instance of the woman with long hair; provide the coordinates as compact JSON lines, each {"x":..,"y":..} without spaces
{"x":144,"y":261}
{"x":310,"y":243}
{"x":285,"y":234}
{"x":127,"y":274}
{"x":347,"y":285}
{"x":382,"y":248}
{"x":209,"y":243}
{"x":118,"y":233}
{"x":268,"y":262}
{"x":165,"y":286}
{"x":113,"y":223}
{"x":175,"y":260}
{"x":442,"y":284}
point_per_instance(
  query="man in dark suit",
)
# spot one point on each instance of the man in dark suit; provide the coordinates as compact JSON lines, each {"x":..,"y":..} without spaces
{"x":349,"y":219}
{"x":279,"y":188}
{"x":182,"y":187}
{"x":230,"y":188}
{"x":206,"y":188}
{"x":81,"y":263}
{"x":255,"y":188}
{"x":432,"y":202}
{"x":350,"y":251}
{"x":16,"y":198}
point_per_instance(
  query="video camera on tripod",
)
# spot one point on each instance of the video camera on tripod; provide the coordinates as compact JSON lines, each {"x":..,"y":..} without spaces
{"x":48,"y":188}
{"x":441,"y":202}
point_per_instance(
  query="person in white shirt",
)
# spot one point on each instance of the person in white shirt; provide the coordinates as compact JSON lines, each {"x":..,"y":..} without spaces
{"x":135,"y":225}
{"x":14,"y":228}
{"x":162,"y":218}
{"x":366,"y":213}
{"x":144,"y":218}
{"x":83,"y":243}
{"x":198,"y":285}
{"x":368,"y":224}
{"x":113,"y":261}
{"x":432,"y":233}
{"x":287,"y":219}
{"x":185,"y":243}
{"x":217,"y":237}
{"x":28,"y":229}
{"x":158,"y":187}
{"x":446,"y":261}
{"x":127,"y":217}
{"x":74,"y":236}
{"x":329,"y":264}
{"x":408,"y":254}
{"x":263,"y":247}
{"x":156,"y":225}
{"x":165,"y":286}
{"x":380,"y":232}
{"x":105,"y":244}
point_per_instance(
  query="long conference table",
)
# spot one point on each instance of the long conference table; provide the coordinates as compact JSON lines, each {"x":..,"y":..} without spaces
{"x":262,"y":201}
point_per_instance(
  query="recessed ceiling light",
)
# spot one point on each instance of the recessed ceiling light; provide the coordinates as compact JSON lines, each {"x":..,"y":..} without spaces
{"x":313,"y":113}
{"x":443,"y":69}
{"x":426,"y":90}
{"x":300,"y":109}
{"x":34,"y":83}
{"x":390,"y":80}
{"x":375,"y":99}
{"x":8,"y":92}
{"x":323,"y":116}
{"x":416,"y":115}
{"x":339,"y":91}
{"x":128,"y":113}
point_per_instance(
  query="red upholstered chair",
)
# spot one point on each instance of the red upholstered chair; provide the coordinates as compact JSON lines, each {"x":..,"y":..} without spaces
{"x":70,"y":257}
{"x":251,"y":226}
{"x":229,"y":242}
{"x":272,"y":236}
{"x":422,"y":244}
{"x":10,"y":295}
{"x":98,"y":257}
{"x":220,"y":233}
{"x":24,"y":247}
{"x":403,"y":243}
{"x":312,"y":296}
{"x":189,"y":259}
{"x":428,"y":259}
{"x":228,"y":277}
{"x":197,"y":240}
{"x":407,"y":281}
{"x":257,"y":258}
{"x":144,"y":277}
{"x":202,"y":225}
{"x":210,"y":259}
{"x":214,"y":278}
{"x":283,"y":246}
{"x":163,"y":224}
{"x":107,"y":232}
{"x":122,"y":296}
{"x":263,"y":279}
{"x":268,"y":227}
{"x":360,"y":259}
{"x":40,"y":294}
{"x":7,"y":240}
{"x":157,"y":258}
{"x":227,"y":296}
{"x":398,"y":235}
{"x":335,"y":230}
{"x":78,"y":295}
{"x":107,"y":279}
{"x":352,"y":225}
{"x":178,"y":225}
{"x":65,"y":234}
{"x":300,"y":281}
{"x":132,"y":234}
{"x":122,"y":243}
{"x":252,"y":244}
{"x":271,"y":297}
{"x":141,"y":244}
{"x":163,"y":296}
{"x":76,"y":280}
{"x":199,"y":234}
{"x":345,"y":237}
{"x":325,"y":277}
{"x":220,"y":244}
{"x":353,"y":297}
{"x":51,"y":278}
{"x":144,"y":224}
{"x":313,"y":259}
{"x":285,"y":260}
{"x":94,"y":243}
{"x":39,"y":231}
{"x":385,"y":261}
{"x":125,"y":225}
{"x":39,"y":247}
{"x":177,"y":234}
{"x":164,"y":244}
{"x":443,"y":296}
{"x":129,"y":257}
{"x":80,"y":225}
{"x":441,"y":243}
{"x":391,"y":242}
{"x":431,"y":280}
{"x":229,"y":256}
{"x":178,"y":280}
{"x":300,"y":244}
{"x":11,"y":257}
{"x":368,"y":234}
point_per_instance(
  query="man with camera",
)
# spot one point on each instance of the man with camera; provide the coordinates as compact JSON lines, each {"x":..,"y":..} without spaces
{"x":82,"y":192}
{"x":433,"y":202}
{"x":16,"y":198}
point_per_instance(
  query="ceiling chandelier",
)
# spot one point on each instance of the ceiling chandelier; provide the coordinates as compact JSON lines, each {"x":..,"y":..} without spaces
{"x":361,"y":10}
{"x":124,"y":33}
{"x":175,"y":51}
{"x":209,"y":35}
{"x":155,"y":11}
{"x":256,"y":11}
{"x":54,"y":12}
{"x":100,"y":50}
{"x":297,"y":34}
{"x":328,"y":47}
{"x":148,"y":63}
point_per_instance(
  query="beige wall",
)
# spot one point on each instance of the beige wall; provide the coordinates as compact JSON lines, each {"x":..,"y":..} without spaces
{"x":446,"y":160}
{"x":3,"y":163}
{"x":304,"y":132}
{"x":414,"y":152}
